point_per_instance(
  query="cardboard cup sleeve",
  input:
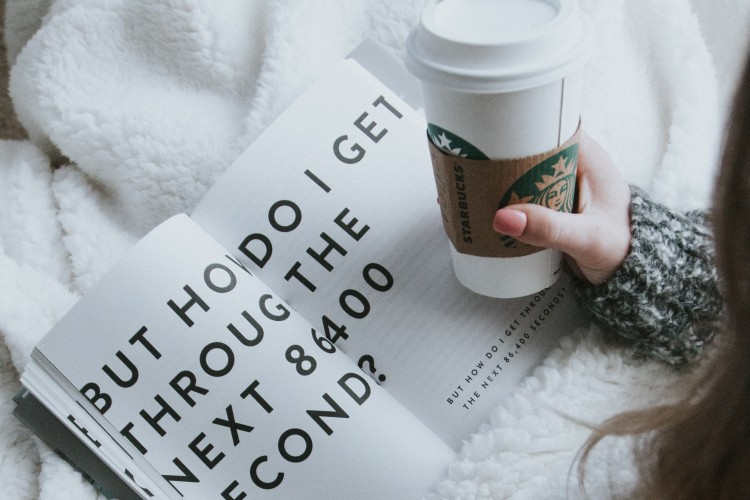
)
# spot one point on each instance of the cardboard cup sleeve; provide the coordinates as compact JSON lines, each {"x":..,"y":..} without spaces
{"x":471,"y":191}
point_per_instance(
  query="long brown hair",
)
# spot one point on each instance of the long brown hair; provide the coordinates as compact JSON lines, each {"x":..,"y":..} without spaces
{"x":700,"y":447}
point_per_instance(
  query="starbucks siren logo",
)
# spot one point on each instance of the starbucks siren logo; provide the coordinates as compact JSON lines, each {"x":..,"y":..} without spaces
{"x":551,"y":183}
{"x":453,"y":144}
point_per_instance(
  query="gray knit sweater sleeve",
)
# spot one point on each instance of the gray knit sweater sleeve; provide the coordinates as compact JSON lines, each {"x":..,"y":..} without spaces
{"x":665,"y":298}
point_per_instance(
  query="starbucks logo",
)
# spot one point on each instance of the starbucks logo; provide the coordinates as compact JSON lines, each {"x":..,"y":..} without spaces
{"x":452,"y":144}
{"x":551,"y":183}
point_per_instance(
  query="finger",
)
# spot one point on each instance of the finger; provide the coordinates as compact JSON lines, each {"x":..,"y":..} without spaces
{"x":595,"y":167}
{"x":592,"y":157}
{"x":543,"y":227}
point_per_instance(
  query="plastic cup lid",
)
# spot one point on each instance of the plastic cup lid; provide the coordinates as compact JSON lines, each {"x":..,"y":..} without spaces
{"x":489,"y":46}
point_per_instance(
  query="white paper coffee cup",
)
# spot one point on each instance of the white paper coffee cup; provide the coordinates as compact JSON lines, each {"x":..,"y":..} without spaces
{"x":501,"y":79}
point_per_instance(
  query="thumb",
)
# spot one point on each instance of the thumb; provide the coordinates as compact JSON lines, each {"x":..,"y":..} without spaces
{"x":542,"y":227}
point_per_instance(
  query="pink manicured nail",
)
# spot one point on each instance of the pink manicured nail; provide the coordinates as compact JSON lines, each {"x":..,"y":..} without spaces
{"x":509,"y":221}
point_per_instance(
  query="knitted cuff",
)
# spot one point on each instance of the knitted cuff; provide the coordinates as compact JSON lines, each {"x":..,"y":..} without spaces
{"x":665,"y":297}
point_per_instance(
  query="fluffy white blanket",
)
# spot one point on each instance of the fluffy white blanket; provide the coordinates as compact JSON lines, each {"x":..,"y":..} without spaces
{"x":151,"y":100}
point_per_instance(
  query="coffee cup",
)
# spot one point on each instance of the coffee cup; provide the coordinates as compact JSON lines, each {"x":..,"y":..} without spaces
{"x":501,"y":88}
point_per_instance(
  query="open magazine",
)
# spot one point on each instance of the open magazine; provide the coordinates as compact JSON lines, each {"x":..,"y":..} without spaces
{"x":301,"y":334}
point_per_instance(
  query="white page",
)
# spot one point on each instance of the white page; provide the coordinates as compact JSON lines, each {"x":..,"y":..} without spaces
{"x":446,"y":353}
{"x":85,"y":428}
{"x":258,"y":379}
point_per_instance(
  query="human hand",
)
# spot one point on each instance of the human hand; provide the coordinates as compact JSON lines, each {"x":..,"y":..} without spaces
{"x":597,"y":237}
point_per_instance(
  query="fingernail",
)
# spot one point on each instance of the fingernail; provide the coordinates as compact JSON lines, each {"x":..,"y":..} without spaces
{"x":509,"y":221}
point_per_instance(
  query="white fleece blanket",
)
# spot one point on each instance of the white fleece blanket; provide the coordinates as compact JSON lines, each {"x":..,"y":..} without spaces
{"x":151,"y":100}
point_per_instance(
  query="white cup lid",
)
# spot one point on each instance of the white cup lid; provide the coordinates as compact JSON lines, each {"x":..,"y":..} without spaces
{"x":489,"y":46}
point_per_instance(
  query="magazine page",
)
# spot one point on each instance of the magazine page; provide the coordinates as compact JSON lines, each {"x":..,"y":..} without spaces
{"x":334,"y":206}
{"x":69,"y":429}
{"x":217,"y":387}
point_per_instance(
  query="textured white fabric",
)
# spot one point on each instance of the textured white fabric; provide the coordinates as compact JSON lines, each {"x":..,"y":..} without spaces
{"x":152,"y":99}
